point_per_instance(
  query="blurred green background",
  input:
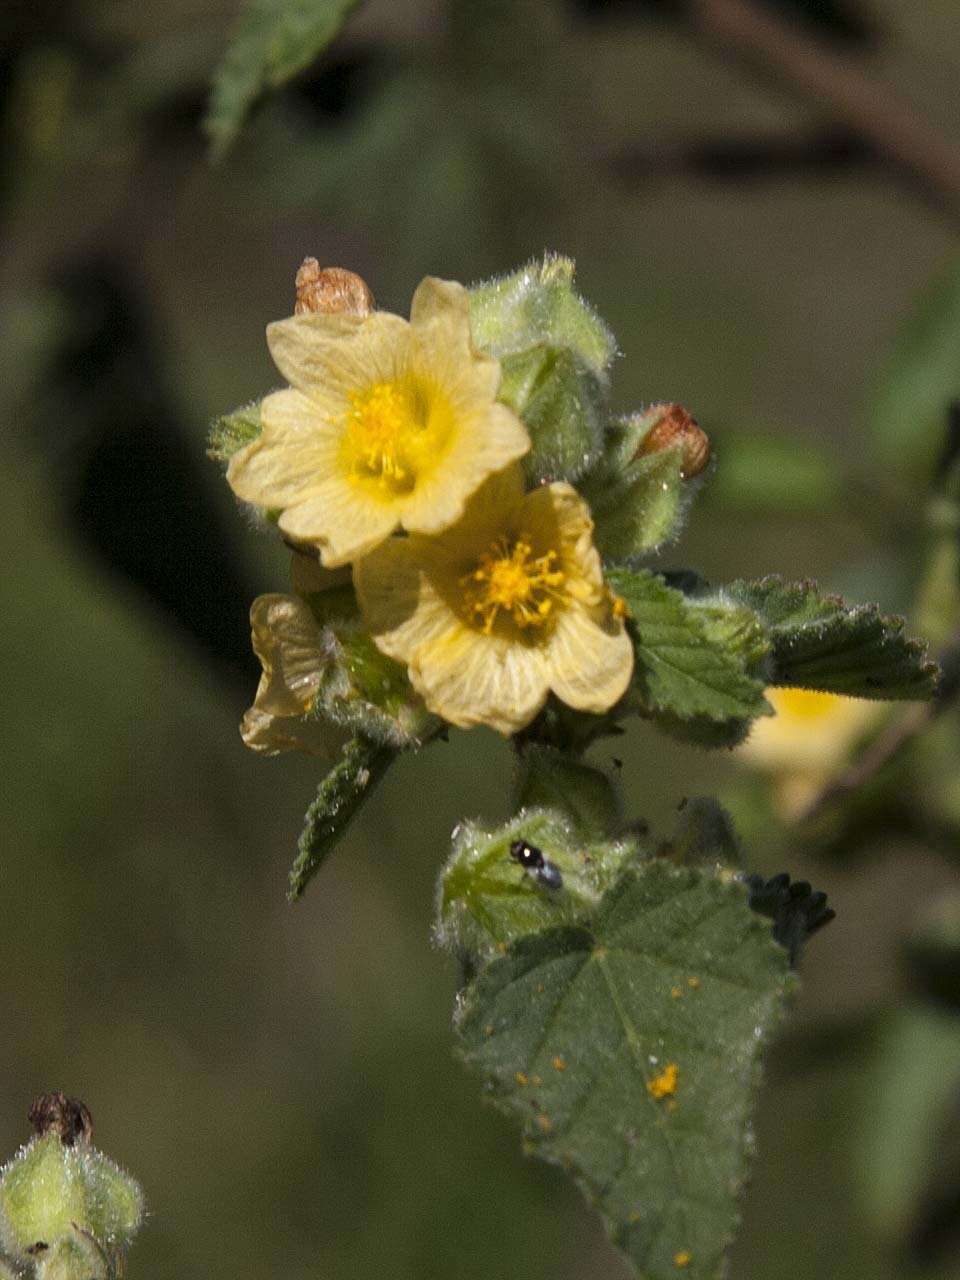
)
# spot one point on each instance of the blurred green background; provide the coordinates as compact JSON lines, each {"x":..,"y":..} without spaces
{"x":280,"y":1078}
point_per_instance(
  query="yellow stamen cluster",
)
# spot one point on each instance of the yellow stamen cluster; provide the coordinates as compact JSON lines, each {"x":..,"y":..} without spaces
{"x":510,"y":579}
{"x":382,"y":424}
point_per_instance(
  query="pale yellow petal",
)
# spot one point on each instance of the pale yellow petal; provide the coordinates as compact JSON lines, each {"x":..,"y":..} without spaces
{"x":562,"y":518}
{"x":485,"y":444}
{"x":471,"y":679}
{"x":341,"y":519}
{"x":329,"y":357}
{"x":399,"y":602}
{"x":270,"y":735}
{"x":589,"y":664}
{"x":437,"y":299}
{"x":297,"y":449}
{"x":292,"y":651}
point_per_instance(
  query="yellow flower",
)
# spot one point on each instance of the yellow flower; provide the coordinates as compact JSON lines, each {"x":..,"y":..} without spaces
{"x":386,"y":425}
{"x":293,"y":653}
{"x":507,"y":605}
{"x":808,"y":739}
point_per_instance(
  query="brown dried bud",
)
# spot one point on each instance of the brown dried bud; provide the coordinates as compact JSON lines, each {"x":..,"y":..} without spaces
{"x":69,"y":1117}
{"x":331,"y":291}
{"x":676,"y":426}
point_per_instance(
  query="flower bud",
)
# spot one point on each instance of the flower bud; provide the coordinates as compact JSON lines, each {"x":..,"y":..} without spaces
{"x":331,"y":291}
{"x":75,"y":1256}
{"x":676,"y":426}
{"x":59,"y":1185}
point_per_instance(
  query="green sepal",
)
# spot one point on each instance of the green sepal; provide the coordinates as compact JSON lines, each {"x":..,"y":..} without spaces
{"x":820,"y":642}
{"x":589,"y":797}
{"x":49,"y":1187}
{"x":538,"y":305}
{"x":680,"y":668}
{"x":573,"y":1028}
{"x":365,"y":692}
{"x":361,"y":689}
{"x":560,"y":401}
{"x":232,"y":431}
{"x":74,"y":1256}
{"x":485,"y":900}
{"x":349,"y":783}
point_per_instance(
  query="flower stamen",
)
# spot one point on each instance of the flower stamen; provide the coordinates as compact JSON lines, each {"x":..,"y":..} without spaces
{"x":510,"y":579}
{"x":382,"y":424}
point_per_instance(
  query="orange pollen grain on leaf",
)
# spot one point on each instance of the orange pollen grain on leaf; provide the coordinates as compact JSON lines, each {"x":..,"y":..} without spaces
{"x":382,"y":425}
{"x":693,"y":982}
{"x":545,"y":1123}
{"x":619,"y":607}
{"x":682,"y":1258}
{"x":664,"y":1085}
{"x":511,"y":580}
{"x":559,"y":1064}
{"x":522,"y":1078}
{"x":676,"y":993}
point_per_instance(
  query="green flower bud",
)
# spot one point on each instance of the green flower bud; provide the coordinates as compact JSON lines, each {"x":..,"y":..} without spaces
{"x":59,"y":1184}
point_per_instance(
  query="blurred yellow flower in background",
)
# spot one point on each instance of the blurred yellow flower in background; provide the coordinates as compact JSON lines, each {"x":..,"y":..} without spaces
{"x":810,"y":736}
{"x":499,"y":610}
{"x":386,"y":424}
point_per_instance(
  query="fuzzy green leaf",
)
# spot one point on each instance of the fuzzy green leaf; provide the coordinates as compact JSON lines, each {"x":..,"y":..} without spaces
{"x":538,"y":305}
{"x":560,"y":401}
{"x":575,"y":1030}
{"x":232,"y":431}
{"x":275,"y":39}
{"x":679,"y":668}
{"x":339,"y":796}
{"x":819,"y":642}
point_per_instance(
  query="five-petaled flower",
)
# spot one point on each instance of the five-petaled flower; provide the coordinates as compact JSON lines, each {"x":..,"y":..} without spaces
{"x":386,"y":425}
{"x":505,"y":606}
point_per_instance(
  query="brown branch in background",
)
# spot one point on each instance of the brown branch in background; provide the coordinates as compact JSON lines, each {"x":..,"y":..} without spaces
{"x":873,"y":109}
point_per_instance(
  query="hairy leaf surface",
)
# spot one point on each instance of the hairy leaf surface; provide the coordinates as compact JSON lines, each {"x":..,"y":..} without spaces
{"x":629,"y":1050}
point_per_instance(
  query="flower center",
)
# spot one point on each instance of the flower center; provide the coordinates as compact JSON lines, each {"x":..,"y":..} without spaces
{"x":386,"y":424}
{"x":509,"y":579}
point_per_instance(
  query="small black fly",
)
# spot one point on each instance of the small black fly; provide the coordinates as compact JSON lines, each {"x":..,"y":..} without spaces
{"x":546,"y":873}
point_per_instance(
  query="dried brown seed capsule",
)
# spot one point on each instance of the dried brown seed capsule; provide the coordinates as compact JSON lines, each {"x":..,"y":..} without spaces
{"x":331,"y":291}
{"x":69,"y":1117}
{"x":676,"y":425}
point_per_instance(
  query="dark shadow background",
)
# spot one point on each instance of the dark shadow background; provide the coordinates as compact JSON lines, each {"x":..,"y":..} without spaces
{"x":280,"y":1078}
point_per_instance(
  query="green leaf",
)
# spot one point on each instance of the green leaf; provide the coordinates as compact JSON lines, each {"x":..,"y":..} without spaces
{"x":538,"y":305}
{"x":819,"y":642}
{"x":577,"y":1030}
{"x":679,"y":669}
{"x":275,"y":40}
{"x":485,"y":900}
{"x":909,"y":406}
{"x":589,"y":797}
{"x":761,"y":472}
{"x":232,"y":431}
{"x":560,"y":401}
{"x":348,"y":784}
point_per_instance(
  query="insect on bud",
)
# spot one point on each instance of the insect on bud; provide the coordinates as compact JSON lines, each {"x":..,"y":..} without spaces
{"x":331,"y":291}
{"x":676,"y":426}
